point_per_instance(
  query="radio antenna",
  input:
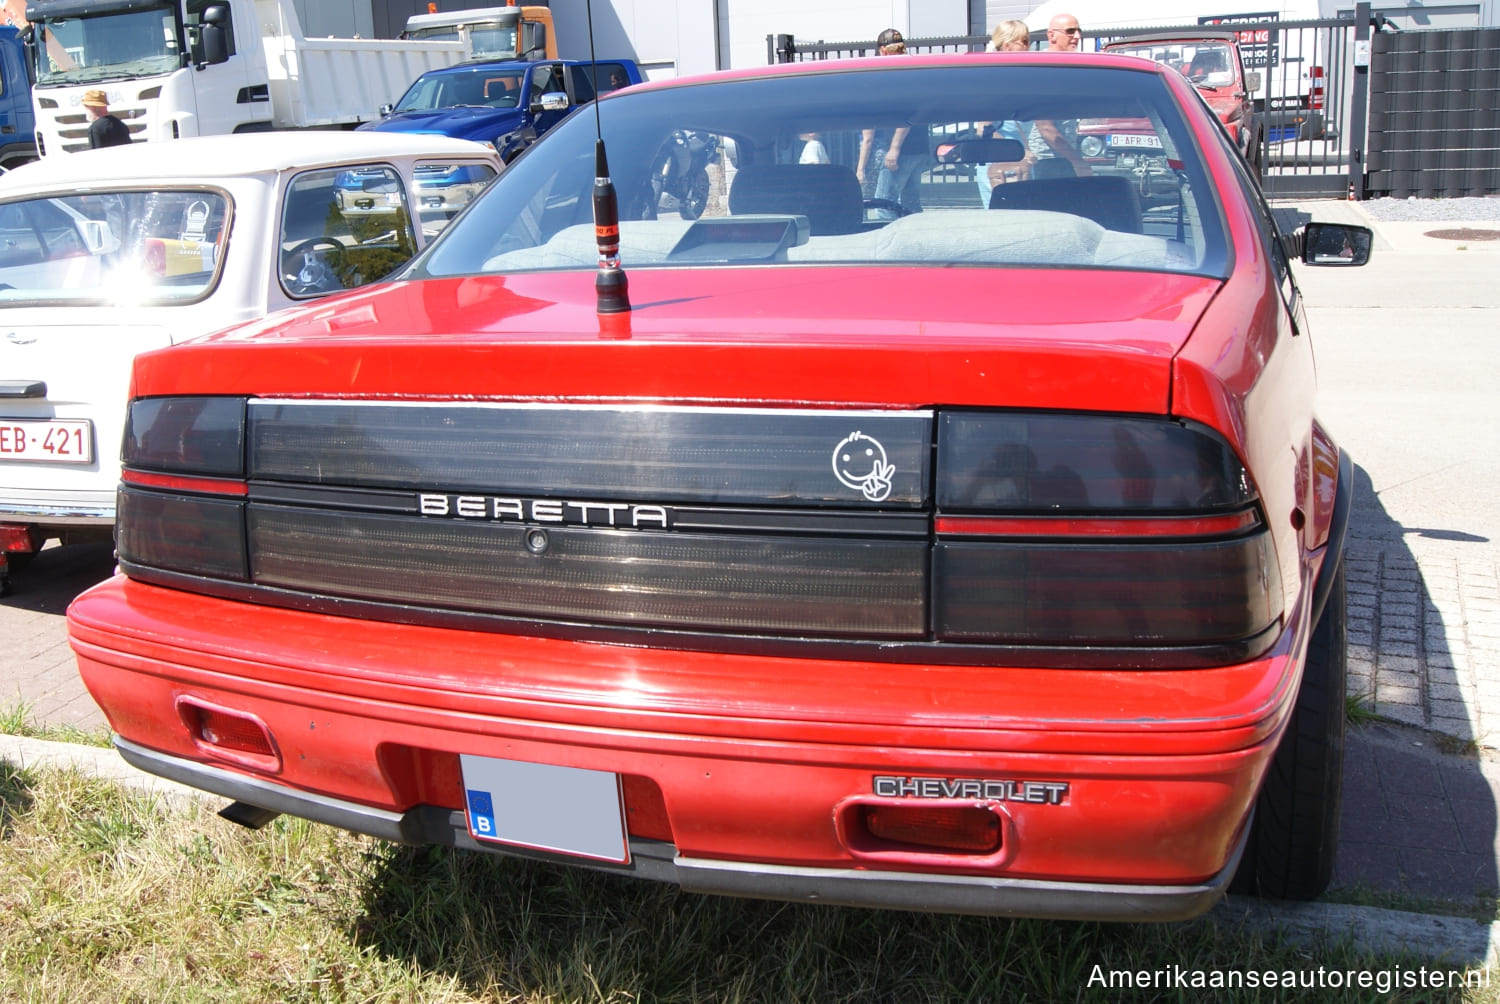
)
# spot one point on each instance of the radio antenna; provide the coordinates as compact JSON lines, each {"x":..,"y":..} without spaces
{"x":610,"y":286}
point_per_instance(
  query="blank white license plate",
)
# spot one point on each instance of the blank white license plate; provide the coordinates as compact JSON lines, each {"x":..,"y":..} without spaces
{"x":61,"y":441}
{"x":567,"y":810}
{"x":1144,"y":140}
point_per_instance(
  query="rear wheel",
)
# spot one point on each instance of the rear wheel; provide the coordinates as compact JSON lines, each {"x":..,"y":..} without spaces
{"x":1295,"y":833}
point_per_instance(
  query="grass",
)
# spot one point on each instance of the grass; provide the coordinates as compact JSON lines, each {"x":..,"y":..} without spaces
{"x":16,"y":720}
{"x":108,"y":894}
{"x":1359,"y":709}
{"x":1482,"y":906}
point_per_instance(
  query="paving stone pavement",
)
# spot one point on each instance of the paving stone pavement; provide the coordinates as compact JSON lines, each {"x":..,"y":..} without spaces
{"x":1422,"y":781}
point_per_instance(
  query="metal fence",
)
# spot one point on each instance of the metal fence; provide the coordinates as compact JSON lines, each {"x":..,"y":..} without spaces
{"x":1311,"y":102}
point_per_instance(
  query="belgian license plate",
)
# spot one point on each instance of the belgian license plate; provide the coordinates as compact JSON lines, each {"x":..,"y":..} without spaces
{"x":1145,"y":140}
{"x":566,"y":810}
{"x":61,"y":441}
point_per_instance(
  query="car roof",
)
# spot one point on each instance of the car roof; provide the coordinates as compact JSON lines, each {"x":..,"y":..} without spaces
{"x":230,"y":156}
{"x":884,"y":64}
{"x":1177,"y":36}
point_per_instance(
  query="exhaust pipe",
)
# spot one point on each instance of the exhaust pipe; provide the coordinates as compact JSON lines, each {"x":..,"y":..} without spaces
{"x":252,"y":817}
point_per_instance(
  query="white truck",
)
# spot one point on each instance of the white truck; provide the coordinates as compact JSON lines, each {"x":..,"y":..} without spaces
{"x":174,"y":68}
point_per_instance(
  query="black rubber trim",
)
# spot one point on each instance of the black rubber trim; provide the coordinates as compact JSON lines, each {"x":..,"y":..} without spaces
{"x":885,"y":651}
{"x":1338,"y":532}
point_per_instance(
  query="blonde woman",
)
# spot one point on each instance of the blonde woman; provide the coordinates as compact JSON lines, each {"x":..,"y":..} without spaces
{"x":1010,"y":36}
{"x":1007,"y":36}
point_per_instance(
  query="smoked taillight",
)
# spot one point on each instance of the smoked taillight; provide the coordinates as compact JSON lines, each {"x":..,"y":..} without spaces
{"x":1071,"y":535}
{"x":1096,"y":530}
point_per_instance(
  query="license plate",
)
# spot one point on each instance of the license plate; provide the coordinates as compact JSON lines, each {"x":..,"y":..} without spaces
{"x":1136,"y":140}
{"x":566,"y":810}
{"x":61,"y":441}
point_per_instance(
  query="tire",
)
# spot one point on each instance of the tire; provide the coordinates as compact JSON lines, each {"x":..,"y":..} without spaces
{"x":697,"y":197}
{"x":1294,"y":835}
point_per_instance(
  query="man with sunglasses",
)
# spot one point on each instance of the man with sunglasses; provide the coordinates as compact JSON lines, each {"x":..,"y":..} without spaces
{"x":899,"y":175}
{"x":1054,"y":143}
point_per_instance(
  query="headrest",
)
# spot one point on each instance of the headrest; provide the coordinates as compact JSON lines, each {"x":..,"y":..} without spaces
{"x":1109,"y":201}
{"x":827,"y":194}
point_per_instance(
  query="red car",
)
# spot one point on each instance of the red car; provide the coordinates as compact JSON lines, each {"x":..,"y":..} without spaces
{"x":983,"y":558}
{"x":1211,"y":60}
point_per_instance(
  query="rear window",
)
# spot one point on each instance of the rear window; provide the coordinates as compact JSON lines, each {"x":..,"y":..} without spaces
{"x":113,"y":247}
{"x":999,"y":163}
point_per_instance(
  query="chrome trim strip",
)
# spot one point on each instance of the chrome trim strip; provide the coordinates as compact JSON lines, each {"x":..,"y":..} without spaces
{"x":978,"y":895}
{"x":73,"y":515}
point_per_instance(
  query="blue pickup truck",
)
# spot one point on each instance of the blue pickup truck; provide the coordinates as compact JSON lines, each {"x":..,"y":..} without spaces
{"x":504,"y":104}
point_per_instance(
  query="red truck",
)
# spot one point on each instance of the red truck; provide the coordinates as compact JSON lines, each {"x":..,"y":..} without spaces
{"x":1212,"y":62}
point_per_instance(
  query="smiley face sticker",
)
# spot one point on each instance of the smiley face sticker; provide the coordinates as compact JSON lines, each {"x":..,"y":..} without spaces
{"x":859,"y":462}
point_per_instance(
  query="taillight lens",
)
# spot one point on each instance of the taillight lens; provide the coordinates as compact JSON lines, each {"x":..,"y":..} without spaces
{"x":1096,"y":530}
{"x":186,"y":435}
{"x":1072,"y":535}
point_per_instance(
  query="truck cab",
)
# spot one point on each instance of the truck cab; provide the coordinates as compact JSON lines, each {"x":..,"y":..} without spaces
{"x":17,"y":123}
{"x":507,"y":104}
{"x":489,"y":32}
{"x":176,"y":68}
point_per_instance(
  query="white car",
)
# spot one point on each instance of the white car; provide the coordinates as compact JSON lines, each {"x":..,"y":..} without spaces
{"x":107,"y":253}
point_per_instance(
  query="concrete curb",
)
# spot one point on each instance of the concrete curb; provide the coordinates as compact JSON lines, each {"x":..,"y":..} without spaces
{"x":1445,"y":940}
{"x":1439,"y":939}
{"x":97,"y":762}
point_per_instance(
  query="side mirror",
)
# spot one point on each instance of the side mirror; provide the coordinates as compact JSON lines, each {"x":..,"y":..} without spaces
{"x":1252,"y":81}
{"x":1339,"y":244}
{"x":386,"y":109}
{"x":215,"y":38}
{"x":553,"y":101}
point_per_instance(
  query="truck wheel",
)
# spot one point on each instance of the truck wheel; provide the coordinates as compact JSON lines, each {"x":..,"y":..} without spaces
{"x":1294,"y":834}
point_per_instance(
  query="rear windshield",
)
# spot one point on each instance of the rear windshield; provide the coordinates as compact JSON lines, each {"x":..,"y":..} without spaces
{"x":117,"y":247}
{"x":998,"y":163}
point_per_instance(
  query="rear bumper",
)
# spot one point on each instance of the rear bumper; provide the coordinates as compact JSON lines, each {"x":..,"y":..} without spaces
{"x":95,"y":509}
{"x":1122,"y":795}
{"x":660,"y":861}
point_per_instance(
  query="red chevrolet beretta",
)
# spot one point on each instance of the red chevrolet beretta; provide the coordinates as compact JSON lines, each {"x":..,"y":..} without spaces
{"x":866,"y":529}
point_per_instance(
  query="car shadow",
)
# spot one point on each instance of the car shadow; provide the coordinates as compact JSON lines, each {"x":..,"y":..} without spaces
{"x":57,"y":574}
{"x":1419,"y":815}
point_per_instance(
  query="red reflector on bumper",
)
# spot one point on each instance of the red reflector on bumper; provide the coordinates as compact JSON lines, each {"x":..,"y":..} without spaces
{"x":973,"y":829}
{"x":232,"y":735}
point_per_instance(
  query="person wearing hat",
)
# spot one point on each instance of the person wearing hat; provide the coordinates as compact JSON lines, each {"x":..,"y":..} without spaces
{"x":899,"y":174}
{"x":104,"y":128}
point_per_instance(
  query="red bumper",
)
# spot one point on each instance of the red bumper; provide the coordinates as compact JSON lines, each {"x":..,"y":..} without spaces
{"x":1120,"y":795}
